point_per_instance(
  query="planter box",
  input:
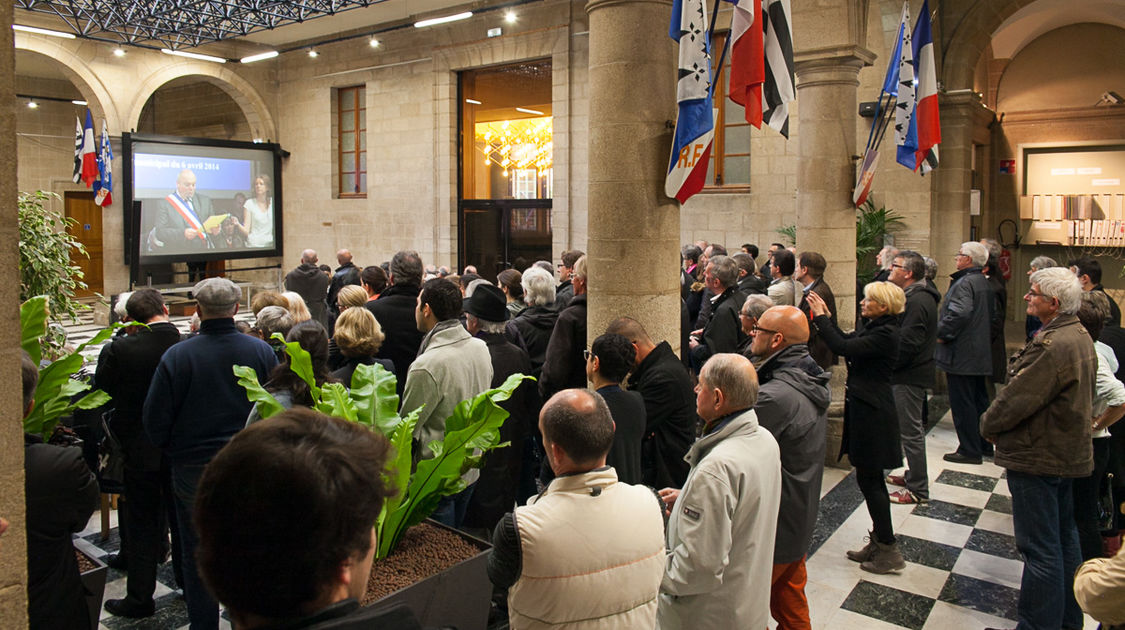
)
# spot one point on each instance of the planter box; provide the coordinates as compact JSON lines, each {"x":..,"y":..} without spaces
{"x":460,"y":596}
{"x":93,"y":580}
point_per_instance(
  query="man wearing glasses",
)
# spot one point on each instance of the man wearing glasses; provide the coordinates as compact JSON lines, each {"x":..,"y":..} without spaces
{"x":963,"y":350}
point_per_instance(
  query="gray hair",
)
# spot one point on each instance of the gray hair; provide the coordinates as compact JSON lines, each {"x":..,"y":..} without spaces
{"x":887,"y":255}
{"x":473,"y":286}
{"x":538,"y":287}
{"x":1042,"y":262}
{"x":931,"y":267}
{"x":913,"y":262}
{"x":756,"y":304}
{"x":976,"y":252}
{"x":273,"y":319}
{"x":580,"y":267}
{"x":119,"y":306}
{"x":727,"y":373}
{"x":485,"y":325}
{"x":1061,"y":284}
{"x":993,"y":246}
{"x":546,"y":265}
{"x":725,"y":270}
{"x":406,"y":267}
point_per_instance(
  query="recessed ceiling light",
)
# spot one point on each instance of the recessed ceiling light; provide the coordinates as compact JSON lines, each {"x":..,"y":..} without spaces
{"x":79,"y":102}
{"x":473,"y":101}
{"x":191,"y":55}
{"x":374,"y":43}
{"x":510,"y":17}
{"x":42,"y":31}
{"x":269,"y":54}
{"x":442,"y":20}
{"x":313,"y":54}
{"x":118,"y":52}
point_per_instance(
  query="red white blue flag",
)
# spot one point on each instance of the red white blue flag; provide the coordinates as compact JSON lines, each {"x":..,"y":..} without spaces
{"x":695,"y":124}
{"x":103,"y":185}
{"x":919,"y":147}
{"x":747,"y":61}
{"x":89,"y":152}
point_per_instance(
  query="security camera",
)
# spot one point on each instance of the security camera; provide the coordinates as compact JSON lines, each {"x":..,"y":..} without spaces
{"x":1112,"y":98}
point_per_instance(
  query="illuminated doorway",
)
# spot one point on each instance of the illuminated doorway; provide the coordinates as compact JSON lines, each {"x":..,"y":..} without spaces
{"x":506,"y":159}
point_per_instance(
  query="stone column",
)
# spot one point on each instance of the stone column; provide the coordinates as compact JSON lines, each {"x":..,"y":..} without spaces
{"x":13,"y":545}
{"x":953,"y":178}
{"x":634,"y":229}
{"x":826,"y":96}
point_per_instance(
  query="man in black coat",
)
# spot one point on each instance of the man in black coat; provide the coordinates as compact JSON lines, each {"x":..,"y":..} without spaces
{"x":609,"y":361}
{"x":810,"y":273}
{"x":748,"y":280}
{"x":723,"y":332}
{"x":395,"y":312}
{"x":61,"y":494}
{"x":125,"y":370}
{"x":565,"y":291}
{"x":666,"y":387}
{"x":564,"y":367}
{"x":1089,"y":272}
{"x":913,"y":373}
{"x":308,"y":281}
{"x":347,"y":273}
{"x":495,"y":493}
{"x":180,"y":219}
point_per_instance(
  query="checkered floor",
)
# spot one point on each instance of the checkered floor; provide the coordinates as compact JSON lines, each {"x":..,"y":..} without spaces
{"x":963,"y":569}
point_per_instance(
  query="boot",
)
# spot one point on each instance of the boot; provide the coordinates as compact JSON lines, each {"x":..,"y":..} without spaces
{"x":886,"y":559}
{"x":863,"y":555}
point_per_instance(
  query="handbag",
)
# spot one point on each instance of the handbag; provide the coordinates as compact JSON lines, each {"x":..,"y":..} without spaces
{"x":111,"y":455}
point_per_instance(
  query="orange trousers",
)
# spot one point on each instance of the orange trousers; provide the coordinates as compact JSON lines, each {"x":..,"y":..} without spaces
{"x":788,"y":604}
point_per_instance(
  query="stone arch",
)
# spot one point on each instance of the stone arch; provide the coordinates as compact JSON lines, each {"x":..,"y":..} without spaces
{"x":99,"y":99}
{"x":251,"y":103}
{"x":970,"y":37}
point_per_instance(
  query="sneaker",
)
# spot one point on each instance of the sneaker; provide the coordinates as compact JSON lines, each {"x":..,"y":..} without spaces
{"x":957,"y":458}
{"x":906,"y":496}
{"x":897,"y":480}
{"x":863,"y":555}
{"x":886,"y":559}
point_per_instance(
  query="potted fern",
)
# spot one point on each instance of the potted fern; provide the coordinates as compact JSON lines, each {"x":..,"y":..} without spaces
{"x":458,"y":595}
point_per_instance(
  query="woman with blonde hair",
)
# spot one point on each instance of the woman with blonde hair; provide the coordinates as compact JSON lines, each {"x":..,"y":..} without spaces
{"x":297,"y":307}
{"x":358,"y":337}
{"x":871,"y":438}
{"x":349,"y":296}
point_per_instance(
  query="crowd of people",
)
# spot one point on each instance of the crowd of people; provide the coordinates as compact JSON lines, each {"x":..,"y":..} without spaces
{"x":639,"y":487}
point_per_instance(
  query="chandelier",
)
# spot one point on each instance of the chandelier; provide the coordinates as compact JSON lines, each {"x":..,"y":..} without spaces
{"x":516,"y":144}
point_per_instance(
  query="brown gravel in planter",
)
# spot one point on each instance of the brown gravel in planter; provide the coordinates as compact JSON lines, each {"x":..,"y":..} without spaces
{"x":84,"y":564}
{"x":425,"y":550}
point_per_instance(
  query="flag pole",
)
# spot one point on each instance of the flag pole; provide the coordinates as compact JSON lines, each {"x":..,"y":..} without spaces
{"x":726,"y":44}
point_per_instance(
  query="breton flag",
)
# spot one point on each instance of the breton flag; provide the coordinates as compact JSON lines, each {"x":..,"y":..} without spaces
{"x":747,"y":63}
{"x":695,"y":124}
{"x":89,"y":152}
{"x":779,"y":89}
{"x":904,"y":88}
{"x":103,"y":185}
{"x":918,"y":149}
{"x":77,"y":150}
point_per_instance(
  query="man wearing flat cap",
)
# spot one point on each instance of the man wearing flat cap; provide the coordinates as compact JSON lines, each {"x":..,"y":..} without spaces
{"x":486,"y":314}
{"x":194,"y":407}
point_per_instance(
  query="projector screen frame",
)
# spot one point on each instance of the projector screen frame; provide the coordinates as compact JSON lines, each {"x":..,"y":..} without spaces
{"x":134,"y":257}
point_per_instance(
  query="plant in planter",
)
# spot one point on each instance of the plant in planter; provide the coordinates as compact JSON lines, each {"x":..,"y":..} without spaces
{"x":45,"y":249}
{"x":871,"y":226}
{"x":473,"y":429}
{"x":57,"y":389}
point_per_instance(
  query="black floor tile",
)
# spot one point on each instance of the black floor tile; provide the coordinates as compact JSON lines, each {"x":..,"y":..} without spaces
{"x":109,"y":545}
{"x":928,"y":553}
{"x":835,"y":508}
{"x":889,"y":604}
{"x":994,"y":544}
{"x":999,"y":503}
{"x":966,"y":480}
{"x":993,"y":599}
{"x":171,"y":612}
{"x":950,"y":512}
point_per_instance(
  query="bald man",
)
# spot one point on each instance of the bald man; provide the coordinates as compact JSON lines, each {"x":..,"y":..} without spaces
{"x":793,"y":405}
{"x":180,"y":217}
{"x":722,"y":523}
{"x":347,"y":273}
{"x":308,"y":281}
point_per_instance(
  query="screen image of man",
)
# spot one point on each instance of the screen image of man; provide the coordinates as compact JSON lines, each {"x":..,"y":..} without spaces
{"x":180,"y":219}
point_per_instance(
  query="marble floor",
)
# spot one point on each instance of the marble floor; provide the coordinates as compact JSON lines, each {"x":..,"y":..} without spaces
{"x":963,"y":569}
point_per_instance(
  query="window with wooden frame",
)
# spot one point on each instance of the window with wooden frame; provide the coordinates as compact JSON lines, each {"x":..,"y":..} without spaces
{"x":730,"y":152}
{"x":351,"y":140}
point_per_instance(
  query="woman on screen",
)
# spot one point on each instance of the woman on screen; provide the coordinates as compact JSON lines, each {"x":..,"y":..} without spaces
{"x":259,"y":214}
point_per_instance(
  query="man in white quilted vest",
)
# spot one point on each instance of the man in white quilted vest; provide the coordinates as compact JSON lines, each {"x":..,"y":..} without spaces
{"x":588,"y":552}
{"x":722,"y":523}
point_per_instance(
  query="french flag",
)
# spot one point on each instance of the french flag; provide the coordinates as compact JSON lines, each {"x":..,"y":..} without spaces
{"x":747,"y":61}
{"x":695,"y":125}
{"x":920,"y":149}
{"x":89,"y":152}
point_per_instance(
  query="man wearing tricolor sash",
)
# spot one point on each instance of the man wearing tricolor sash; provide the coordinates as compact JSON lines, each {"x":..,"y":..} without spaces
{"x":181,"y":216}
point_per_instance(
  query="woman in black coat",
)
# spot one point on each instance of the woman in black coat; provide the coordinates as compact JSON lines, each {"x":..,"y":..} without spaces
{"x":870,"y":422}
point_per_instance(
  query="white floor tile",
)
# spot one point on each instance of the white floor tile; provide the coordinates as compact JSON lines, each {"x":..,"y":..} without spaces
{"x":989,"y":568}
{"x":915,"y":578}
{"x":1002,"y":488}
{"x":952,"y":534}
{"x":996,"y":522}
{"x":959,"y":495}
{"x":848,"y":620}
{"x":946,"y":616}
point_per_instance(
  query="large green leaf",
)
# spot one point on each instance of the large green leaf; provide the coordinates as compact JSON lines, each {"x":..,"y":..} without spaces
{"x":301,"y":363}
{"x":398,"y":476}
{"x":248,"y":379}
{"x":334,"y":401}
{"x":33,"y":325}
{"x":373,"y":392}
